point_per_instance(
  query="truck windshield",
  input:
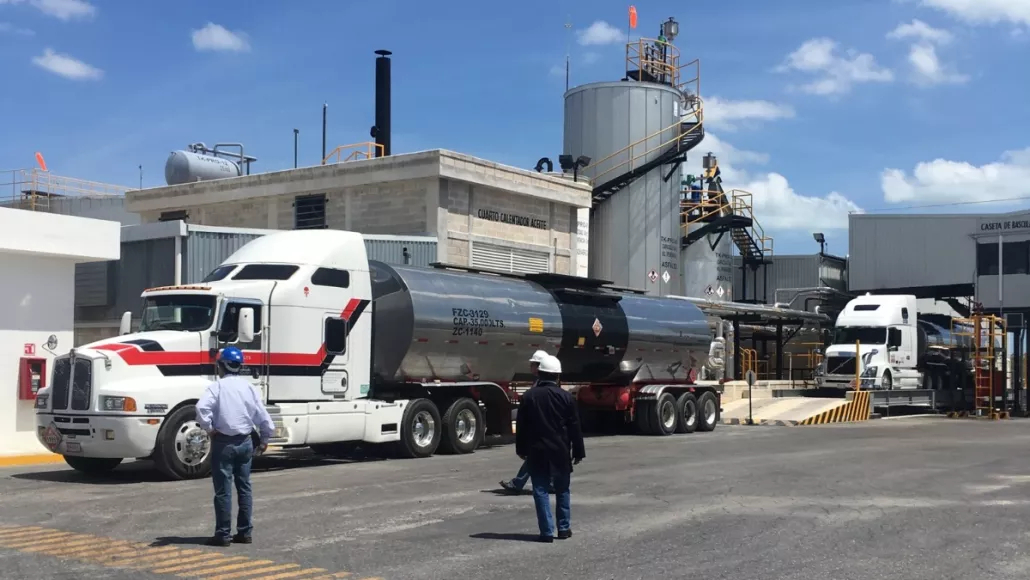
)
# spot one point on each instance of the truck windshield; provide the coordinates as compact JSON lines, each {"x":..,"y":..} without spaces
{"x":188,"y":312}
{"x":863,"y":334}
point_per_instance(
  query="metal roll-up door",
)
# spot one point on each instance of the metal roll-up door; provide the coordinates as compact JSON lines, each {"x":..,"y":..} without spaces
{"x":494,"y":257}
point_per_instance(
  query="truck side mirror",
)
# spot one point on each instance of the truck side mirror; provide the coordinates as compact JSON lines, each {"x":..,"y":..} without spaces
{"x":245,"y":325}
{"x":125,"y":326}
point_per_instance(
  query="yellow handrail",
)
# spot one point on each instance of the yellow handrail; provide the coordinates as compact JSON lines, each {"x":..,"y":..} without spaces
{"x":363,"y":150}
{"x":735,"y":201}
{"x":675,"y":140}
{"x":32,"y":189}
{"x":645,"y":55}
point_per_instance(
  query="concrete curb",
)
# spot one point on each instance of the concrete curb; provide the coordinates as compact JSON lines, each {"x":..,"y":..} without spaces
{"x":32,"y":459}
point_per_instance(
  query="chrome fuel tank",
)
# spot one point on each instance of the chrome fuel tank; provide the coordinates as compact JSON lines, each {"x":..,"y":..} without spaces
{"x":436,"y":324}
{"x":455,"y":326}
{"x":667,"y":338}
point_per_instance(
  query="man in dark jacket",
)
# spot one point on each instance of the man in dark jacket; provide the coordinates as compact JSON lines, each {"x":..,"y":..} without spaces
{"x":548,"y":437}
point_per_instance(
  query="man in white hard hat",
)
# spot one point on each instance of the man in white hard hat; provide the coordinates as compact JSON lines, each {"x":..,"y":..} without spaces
{"x":518,"y":482}
{"x":548,"y":437}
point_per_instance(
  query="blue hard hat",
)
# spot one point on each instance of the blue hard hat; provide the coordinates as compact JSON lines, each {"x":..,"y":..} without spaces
{"x":231,"y":358}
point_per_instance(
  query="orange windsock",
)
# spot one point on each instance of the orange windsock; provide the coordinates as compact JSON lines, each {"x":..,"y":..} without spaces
{"x":39,"y":159}
{"x":632,"y":17}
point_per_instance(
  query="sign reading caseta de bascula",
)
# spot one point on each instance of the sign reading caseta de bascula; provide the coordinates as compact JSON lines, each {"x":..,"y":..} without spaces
{"x":1002,"y":226}
{"x":510,"y":218}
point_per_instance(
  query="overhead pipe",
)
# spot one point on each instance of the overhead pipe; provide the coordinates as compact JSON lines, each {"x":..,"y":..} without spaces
{"x":381,"y":130}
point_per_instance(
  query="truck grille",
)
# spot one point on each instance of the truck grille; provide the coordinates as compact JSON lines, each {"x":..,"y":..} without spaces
{"x":73,"y":380}
{"x":840,"y":365}
{"x":82,"y":384}
{"x":61,"y":382}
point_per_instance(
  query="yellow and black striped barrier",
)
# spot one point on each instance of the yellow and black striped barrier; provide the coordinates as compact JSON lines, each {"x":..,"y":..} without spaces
{"x":858,"y":408}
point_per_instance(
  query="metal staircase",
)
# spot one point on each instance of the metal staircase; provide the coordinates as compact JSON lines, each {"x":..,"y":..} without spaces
{"x":710,"y":210}
{"x":652,"y":61}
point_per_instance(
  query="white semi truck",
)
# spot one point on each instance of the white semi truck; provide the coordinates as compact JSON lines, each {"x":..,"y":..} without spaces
{"x":898,"y":347}
{"x":347,"y":351}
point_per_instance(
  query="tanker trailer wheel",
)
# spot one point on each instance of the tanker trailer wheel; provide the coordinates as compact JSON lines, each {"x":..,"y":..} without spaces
{"x":463,"y":427}
{"x":708,"y":417}
{"x":92,"y":465}
{"x":183,"y":449}
{"x":421,"y":428}
{"x":658,"y":417}
{"x":687,"y":407}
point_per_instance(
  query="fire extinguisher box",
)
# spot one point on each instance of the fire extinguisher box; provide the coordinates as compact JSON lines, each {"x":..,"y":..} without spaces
{"x":31,"y":377}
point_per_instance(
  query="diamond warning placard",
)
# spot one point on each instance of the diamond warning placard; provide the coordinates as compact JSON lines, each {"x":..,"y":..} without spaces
{"x":596,"y":327}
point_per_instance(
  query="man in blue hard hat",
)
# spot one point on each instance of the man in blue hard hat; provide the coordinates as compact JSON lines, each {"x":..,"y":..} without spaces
{"x":229,"y":411}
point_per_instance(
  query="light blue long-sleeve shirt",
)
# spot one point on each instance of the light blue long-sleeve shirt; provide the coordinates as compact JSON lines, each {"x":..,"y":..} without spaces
{"x":231,"y":406}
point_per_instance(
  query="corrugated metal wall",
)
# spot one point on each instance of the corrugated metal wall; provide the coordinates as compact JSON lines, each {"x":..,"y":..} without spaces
{"x":390,"y":249}
{"x":203,"y":251}
{"x":784,"y":272}
{"x":104,"y":290}
{"x":910,"y":251}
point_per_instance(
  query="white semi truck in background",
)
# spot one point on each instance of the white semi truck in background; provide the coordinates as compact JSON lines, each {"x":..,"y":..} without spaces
{"x":899,"y":347}
{"x":347,"y":351}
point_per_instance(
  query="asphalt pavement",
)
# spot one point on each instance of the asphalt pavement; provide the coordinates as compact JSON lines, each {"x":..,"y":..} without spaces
{"x":909,"y":499}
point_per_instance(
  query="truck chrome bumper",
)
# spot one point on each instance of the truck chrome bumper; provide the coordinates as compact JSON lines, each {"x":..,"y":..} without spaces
{"x":102,"y":436}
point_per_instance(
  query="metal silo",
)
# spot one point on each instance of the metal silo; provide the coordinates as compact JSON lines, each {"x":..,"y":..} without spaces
{"x":634,"y":135}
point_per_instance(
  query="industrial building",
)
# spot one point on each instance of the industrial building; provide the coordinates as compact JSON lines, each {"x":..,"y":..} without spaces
{"x":482,"y":214}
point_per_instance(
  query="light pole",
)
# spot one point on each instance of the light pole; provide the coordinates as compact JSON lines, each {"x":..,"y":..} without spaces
{"x":295,"y":133}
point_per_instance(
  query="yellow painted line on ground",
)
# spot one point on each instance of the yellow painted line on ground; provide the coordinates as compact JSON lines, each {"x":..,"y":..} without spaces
{"x":220,"y":569}
{"x":246,"y":573}
{"x":33,"y":459}
{"x":205,"y":564}
{"x":163,"y":559}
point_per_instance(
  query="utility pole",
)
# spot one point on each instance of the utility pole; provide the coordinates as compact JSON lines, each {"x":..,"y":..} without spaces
{"x":141,"y":176}
{"x":325,"y":111}
{"x":295,"y":133}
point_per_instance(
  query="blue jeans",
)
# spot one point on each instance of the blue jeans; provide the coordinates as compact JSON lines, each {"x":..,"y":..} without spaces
{"x":230,"y":463}
{"x":520,"y":479}
{"x":542,"y":478}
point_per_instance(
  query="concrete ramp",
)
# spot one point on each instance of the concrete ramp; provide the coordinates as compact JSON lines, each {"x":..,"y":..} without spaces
{"x":791,"y":411}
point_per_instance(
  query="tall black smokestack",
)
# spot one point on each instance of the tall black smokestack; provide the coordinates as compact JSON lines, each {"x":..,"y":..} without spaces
{"x":381,"y":130}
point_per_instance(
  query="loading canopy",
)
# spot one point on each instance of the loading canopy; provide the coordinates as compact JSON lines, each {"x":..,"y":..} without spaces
{"x":756,"y":313}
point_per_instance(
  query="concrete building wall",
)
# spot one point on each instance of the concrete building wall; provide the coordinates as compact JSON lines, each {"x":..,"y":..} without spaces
{"x":39,"y":302}
{"x":483,"y":214}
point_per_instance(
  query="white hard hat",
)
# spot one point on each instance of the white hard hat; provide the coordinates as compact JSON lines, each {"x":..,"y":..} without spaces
{"x":538,"y":356}
{"x":551,"y":364}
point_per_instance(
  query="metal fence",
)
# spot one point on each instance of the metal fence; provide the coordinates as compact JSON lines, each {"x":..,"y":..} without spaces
{"x":37,"y":190}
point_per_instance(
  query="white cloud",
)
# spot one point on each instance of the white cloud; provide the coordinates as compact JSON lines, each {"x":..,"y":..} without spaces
{"x":66,"y":66}
{"x":984,"y":11}
{"x":65,"y":9}
{"x":8,"y":28}
{"x":777,"y":205}
{"x":600,"y":33}
{"x":927,"y":68}
{"x":836,"y":73}
{"x":725,"y":114}
{"x":920,"y":31}
{"x":215,"y":37}
{"x":946,"y":181}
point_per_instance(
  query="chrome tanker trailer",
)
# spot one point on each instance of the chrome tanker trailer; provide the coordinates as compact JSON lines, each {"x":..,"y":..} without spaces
{"x":346,"y":350}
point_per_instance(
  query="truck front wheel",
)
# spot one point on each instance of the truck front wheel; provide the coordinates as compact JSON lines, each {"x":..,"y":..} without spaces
{"x":92,"y":465}
{"x":421,"y":429}
{"x":183,"y":449}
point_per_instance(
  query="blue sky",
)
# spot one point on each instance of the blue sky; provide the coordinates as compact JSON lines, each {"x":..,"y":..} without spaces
{"x":819,"y":108}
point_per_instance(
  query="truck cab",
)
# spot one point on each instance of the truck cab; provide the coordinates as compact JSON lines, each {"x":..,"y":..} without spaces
{"x":875,"y":338}
{"x":133,"y":396}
